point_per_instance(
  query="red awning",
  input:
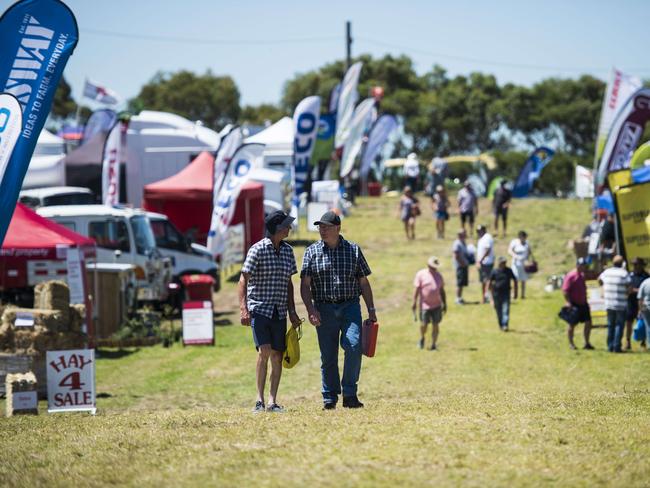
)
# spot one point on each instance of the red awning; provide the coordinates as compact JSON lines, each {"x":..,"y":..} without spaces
{"x":193,"y":181}
{"x":32,"y":236}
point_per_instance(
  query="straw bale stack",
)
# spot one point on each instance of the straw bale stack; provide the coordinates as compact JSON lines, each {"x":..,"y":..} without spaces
{"x":52,"y":330}
{"x":77,"y":317}
{"x":19,"y":383}
{"x":52,"y":295}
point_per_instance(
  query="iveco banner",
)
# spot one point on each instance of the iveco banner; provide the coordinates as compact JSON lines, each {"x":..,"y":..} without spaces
{"x":348,"y":97}
{"x":305,"y":129}
{"x":113,"y":151}
{"x":36,"y":39}
{"x":247,"y":157}
{"x":625,"y":134}
{"x":364,"y":116}
{"x":11,"y":123}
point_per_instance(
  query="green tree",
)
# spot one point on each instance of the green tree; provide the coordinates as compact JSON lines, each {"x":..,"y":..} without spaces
{"x":63,"y":105}
{"x":212,"y":99}
{"x":259,"y":114}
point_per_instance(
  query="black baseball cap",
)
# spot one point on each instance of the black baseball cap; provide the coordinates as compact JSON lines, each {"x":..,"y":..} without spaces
{"x":277,"y":220}
{"x":329,"y":218}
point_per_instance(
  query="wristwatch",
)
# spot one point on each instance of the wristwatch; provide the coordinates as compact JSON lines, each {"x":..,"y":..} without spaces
{"x":371,"y":309}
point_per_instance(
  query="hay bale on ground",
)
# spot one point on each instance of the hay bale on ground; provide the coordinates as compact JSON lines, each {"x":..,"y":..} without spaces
{"x":6,"y":338}
{"x":52,"y":295}
{"x":17,"y":383}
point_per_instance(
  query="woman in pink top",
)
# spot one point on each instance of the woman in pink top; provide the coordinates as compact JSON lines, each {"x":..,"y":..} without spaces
{"x":430,"y":288}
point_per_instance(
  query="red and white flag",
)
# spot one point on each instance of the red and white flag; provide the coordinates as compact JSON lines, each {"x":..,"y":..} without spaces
{"x":100,"y":93}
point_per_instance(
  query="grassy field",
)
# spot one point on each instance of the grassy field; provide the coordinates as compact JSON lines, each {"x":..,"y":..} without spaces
{"x":487,"y":409}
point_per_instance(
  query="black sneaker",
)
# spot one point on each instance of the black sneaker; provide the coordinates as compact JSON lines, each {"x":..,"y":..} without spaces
{"x":352,"y":402}
{"x":433,"y":348}
{"x":421,"y":343}
{"x":588,"y":347}
{"x":259,"y":407}
{"x":329,"y":406}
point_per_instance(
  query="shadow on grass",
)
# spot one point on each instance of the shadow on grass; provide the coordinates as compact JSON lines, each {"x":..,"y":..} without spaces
{"x":223,"y":322}
{"x":115,"y":354}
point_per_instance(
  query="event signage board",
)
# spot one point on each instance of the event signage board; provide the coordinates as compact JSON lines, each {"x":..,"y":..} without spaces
{"x":363,"y":117}
{"x":247,"y":157}
{"x":111,"y":165}
{"x":379,"y":133}
{"x":619,"y":88}
{"x":71,"y":380}
{"x":11,"y":123}
{"x":347,"y":100}
{"x":24,"y":400}
{"x":234,"y":249}
{"x":75,"y":276}
{"x":305,"y":124}
{"x":37,"y":38}
{"x":533,"y":167}
{"x":626,"y":132}
{"x":224,"y":154}
{"x":198,"y":323}
{"x":633,"y":214}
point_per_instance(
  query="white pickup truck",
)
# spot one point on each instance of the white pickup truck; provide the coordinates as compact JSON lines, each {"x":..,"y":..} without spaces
{"x":123,"y":235}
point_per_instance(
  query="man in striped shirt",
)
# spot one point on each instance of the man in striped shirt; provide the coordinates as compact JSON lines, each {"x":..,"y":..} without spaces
{"x":616,"y":286}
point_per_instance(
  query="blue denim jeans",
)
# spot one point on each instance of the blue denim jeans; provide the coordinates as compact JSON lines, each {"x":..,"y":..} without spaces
{"x":646,"y":318}
{"x":615,"y":324}
{"x":502,"y":307}
{"x":340,"y":322}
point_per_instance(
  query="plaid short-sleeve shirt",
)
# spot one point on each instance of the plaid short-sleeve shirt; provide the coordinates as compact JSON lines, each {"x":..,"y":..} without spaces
{"x":270,"y":272}
{"x":334,"y":272}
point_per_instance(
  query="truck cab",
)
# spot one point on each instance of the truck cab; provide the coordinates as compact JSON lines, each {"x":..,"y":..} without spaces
{"x":123,"y":235}
{"x":186,"y":257}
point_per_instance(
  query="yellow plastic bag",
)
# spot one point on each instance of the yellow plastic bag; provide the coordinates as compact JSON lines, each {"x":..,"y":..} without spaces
{"x":292,"y":352}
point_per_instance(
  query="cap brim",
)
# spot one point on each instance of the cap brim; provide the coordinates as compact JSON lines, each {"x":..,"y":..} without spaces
{"x":285,"y":223}
{"x":319,"y":222}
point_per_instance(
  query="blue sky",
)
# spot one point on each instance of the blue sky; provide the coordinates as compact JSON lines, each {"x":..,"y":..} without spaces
{"x":263,"y":44}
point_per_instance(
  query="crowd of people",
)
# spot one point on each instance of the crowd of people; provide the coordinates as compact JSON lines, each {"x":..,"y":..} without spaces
{"x":334,"y":276}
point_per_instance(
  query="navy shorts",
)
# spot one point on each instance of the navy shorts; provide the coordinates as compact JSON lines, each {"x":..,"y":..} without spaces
{"x":461,"y":276}
{"x":269,"y":331}
{"x":467,"y":216}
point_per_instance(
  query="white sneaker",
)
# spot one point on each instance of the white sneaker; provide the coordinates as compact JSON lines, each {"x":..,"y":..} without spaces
{"x":274,"y":407}
{"x":460,"y":301}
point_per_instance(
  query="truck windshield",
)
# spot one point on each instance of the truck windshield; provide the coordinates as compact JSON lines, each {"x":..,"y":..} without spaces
{"x":145,"y":243}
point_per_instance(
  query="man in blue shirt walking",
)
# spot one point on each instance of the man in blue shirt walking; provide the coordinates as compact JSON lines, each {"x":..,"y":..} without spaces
{"x":334,"y":274}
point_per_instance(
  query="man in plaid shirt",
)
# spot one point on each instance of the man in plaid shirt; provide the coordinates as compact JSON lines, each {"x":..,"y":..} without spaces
{"x":333,"y":276}
{"x":265,"y":296}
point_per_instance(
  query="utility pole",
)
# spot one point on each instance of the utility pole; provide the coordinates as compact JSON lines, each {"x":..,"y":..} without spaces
{"x":348,"y":44}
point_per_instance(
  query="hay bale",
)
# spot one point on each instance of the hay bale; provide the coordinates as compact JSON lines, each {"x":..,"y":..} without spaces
{"x":52,"y":295}
{"x":6,"y":338}
{"x":52,"y":320}
{"x":34,"y":341}
{"x":77,"y":317}
{"x":17,"y":383}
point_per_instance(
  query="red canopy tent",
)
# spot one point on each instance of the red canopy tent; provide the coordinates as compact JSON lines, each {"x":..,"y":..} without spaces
{"x":31,"y":237}
{"x":186,"y":199}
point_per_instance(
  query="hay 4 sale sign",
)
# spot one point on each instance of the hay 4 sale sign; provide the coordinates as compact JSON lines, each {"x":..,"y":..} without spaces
{"x":71,"y":381}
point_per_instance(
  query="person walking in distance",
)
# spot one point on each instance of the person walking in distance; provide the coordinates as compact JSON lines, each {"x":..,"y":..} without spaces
{"x":500,"y":279}
{"x":616,"y":286}
{"x":484,"y":259}
{"x":467,"y":206}
{"x":637,"y":276}
{"x":409,"y":209}
{"x":265,"y":296}
{"x":461,"y":264}
{"x":334,"y":274}
{"x":440,"y":206}
{"x":574,"y":289}
{"x":500,"y":206}
{"x":430,"y":289}
{"x":643,"y":296}
{"x":521,"y":251}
